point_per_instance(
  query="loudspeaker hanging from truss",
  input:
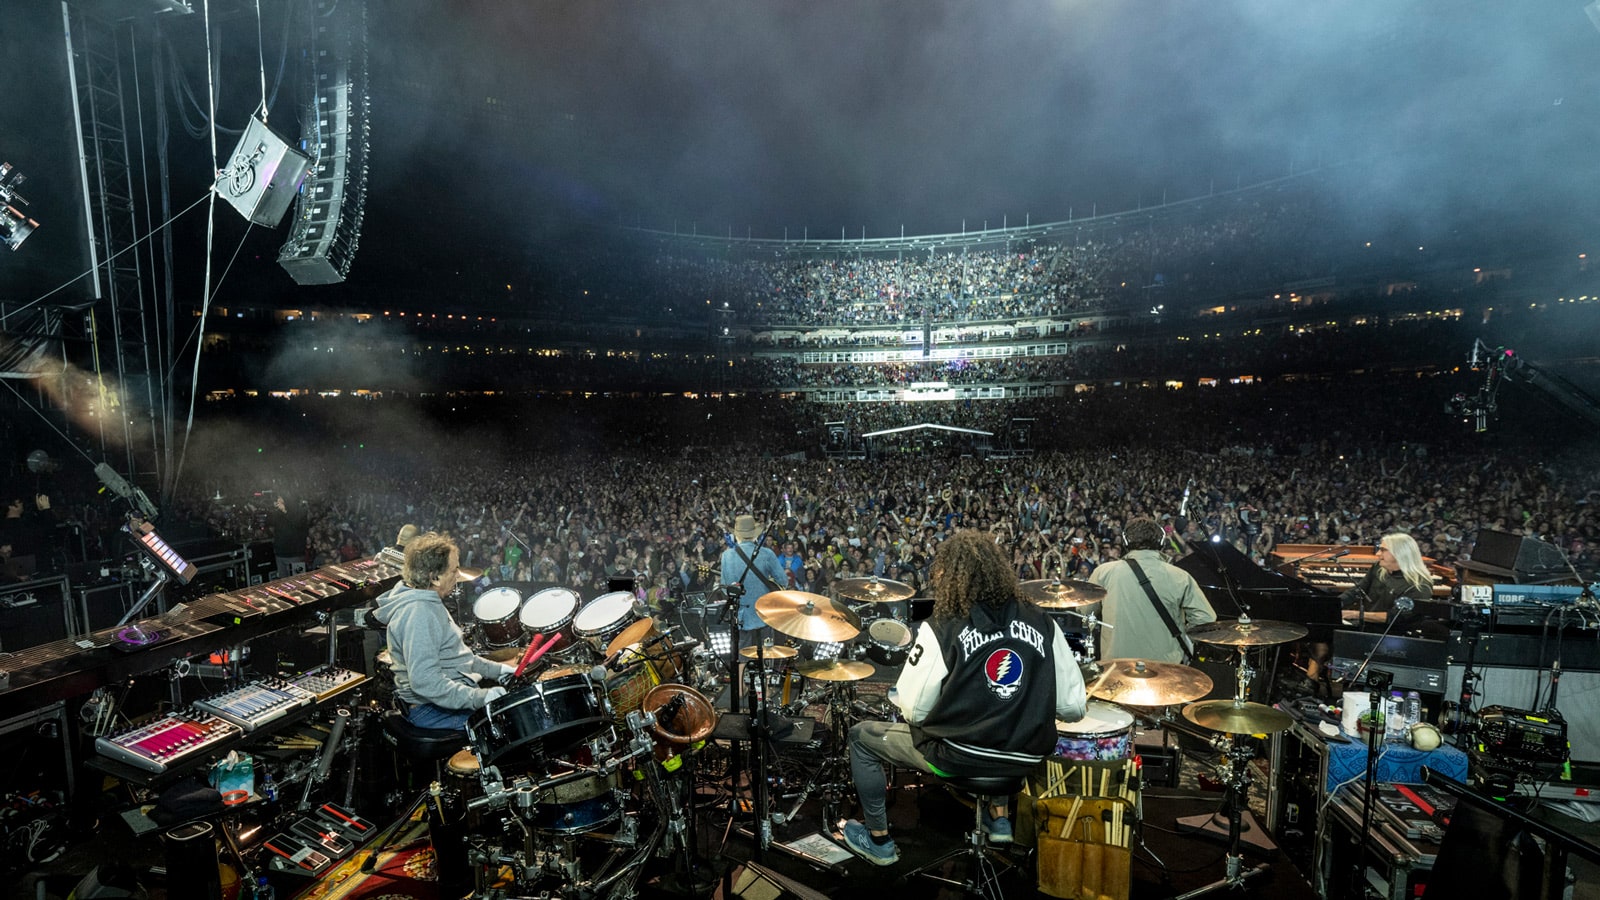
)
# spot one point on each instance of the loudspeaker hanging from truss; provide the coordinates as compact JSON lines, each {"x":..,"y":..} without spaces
{"x":327,"y":222}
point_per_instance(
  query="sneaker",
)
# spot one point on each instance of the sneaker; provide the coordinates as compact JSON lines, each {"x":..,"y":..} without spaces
{"x":998,"y":828}
{"x":859,"y":842}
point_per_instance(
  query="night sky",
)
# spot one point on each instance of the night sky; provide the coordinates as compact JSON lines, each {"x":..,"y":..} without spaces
{"x":497,"y":123}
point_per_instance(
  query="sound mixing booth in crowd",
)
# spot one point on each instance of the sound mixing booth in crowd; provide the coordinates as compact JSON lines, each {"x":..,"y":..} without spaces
{"x":246,"y":732}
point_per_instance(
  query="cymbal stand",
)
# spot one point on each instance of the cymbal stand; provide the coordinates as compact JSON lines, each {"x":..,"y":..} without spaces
{"x":832,"y":777}
{"x":1092,"y":663}
{"x":1234,"y":769}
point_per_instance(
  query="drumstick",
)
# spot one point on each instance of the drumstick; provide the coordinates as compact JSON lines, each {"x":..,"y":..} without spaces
{"x":554,"y":640}
{"x":527,"y":655}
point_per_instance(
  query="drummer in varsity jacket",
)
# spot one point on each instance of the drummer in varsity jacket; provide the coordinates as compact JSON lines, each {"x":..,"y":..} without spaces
{"x":433,"y":667}
{"x":980,"y":692}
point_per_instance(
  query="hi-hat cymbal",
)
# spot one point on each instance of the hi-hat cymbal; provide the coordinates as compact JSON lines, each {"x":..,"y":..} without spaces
{"x":809,"y":617}
{"x":1143,"y":682}
{"x":836,"y":669}
{"x":1051,"y":593}
{"x":1248,"y":633}
{"x":777,"y":651}
{"x":873,"y":590}
{"x":1237,"y":717}
{"x":504,"y":654}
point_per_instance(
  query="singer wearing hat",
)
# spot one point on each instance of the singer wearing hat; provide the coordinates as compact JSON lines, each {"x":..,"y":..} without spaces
{"x":758,"y":570}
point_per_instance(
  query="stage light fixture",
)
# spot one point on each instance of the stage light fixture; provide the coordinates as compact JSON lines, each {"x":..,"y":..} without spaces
{"x":721,"y":642}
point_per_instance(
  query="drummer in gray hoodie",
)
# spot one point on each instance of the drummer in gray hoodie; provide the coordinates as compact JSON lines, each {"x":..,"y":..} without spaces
{"x":432,"y":663}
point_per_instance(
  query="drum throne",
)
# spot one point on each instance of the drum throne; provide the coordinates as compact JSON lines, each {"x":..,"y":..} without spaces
{"x":417,"y":751}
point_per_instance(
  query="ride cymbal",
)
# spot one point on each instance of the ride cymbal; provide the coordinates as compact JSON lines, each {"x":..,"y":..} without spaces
{"x":1051,"y":593}
{"x":873,"y":590}
{"x":1237,"y":717}
{"x":1248,"y":633}
{"x":836,"y":669}
{"x":1141,"y":682}
{"x":777,"y":651}
{"x":809,"y":617}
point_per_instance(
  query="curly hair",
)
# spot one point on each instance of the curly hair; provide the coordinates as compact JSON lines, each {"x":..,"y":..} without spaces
{"x":427,"y":558}
{"x":968,"y":569}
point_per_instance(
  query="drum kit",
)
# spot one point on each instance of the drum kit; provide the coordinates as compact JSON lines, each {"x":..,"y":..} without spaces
{"x":1126,"y":691}
{"x":596,"y":738}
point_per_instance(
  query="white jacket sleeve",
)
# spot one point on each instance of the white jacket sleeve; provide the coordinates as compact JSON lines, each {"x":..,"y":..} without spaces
{"x":1071,"y":697}
{"x":921,"y":678}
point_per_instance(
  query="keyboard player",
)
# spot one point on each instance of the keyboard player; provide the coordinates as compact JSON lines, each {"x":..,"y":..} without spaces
{"x":1399,"y":572}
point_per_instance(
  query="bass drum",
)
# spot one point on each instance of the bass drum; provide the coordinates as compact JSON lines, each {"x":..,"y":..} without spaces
{"x":536,"y":721}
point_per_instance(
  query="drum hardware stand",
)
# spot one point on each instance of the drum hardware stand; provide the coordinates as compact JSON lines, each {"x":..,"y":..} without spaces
{"x":330,"y":746}
{"x":834,"y":772}
{"x":1092,"y":663}
{"x":1234,"y":767}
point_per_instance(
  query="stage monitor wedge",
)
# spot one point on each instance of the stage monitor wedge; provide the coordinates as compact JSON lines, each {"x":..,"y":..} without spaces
{"x":263,"y":175}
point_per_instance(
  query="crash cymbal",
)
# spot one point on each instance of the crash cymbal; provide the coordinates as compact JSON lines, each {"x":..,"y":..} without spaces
{"x":809,"y":617}
{"x":873,"y":590}
{"x":1237,"y":717}
{"x":1051,"y":593}
{"x":1248,"y":633}
{"x":777,"y":651}
{"x":1142,"y":682}
{"x":836,"y":669}
{"x":466,"y":574}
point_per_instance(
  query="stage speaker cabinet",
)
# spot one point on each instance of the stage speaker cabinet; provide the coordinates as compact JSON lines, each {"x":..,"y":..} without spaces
{"x":262,"y":175}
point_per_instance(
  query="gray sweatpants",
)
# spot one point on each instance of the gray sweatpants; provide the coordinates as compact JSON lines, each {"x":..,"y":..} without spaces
{"x":871,"y":745}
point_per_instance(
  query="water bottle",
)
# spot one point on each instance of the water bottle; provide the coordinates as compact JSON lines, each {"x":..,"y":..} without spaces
{"x":264,"y":889}
{"x":1413,"y":709}
{"x":269,"y":790}
{"x":1394,"y":726}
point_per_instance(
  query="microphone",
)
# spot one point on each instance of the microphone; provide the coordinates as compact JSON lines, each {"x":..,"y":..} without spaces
{"x":1404,"y":604}
{"x":1341,"y":553}
{"x":598,"y":674}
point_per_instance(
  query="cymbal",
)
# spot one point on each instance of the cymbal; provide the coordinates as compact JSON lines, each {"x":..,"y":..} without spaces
{"x":466,"y":574}
{"x":873,"y":590}
{"x":1050,"y":593}
{"x":776,"y":651}
{"x":1237,"y":717}
{"x":504,"y":654}
{"x":1248,"y":633}
{"x":836,"y":669}
{"x":809,"y":617}
{"x":1142,"y":682}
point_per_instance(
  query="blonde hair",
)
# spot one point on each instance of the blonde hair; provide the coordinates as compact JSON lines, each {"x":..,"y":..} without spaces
{"x":1409,"y":556}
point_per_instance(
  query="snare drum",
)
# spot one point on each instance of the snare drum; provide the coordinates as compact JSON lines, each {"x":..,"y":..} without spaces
{"x":888,"y":642}
{"x":550,"y":612}
{"x":604,"y":618}
{"x":496,"y":613}
{"x":541,"y":719}
{"x":1104,"y":732}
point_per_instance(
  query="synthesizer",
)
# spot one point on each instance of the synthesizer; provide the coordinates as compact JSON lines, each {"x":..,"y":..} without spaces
{"x":324,"y":682}
{"x":257,"y":703}
{"x":158,"y":745}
